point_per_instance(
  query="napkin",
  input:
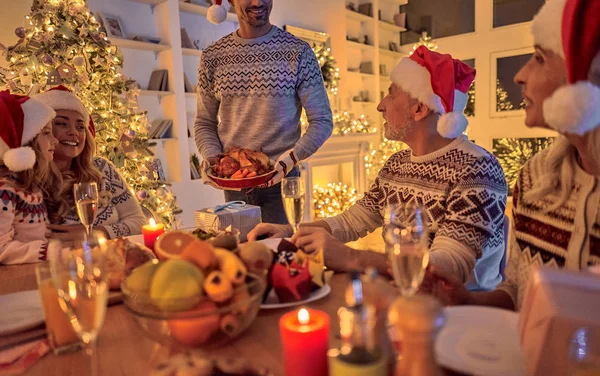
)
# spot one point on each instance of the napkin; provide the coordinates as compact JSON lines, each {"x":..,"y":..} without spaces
{"x":17,"y":360}
{"x":556,"y":303}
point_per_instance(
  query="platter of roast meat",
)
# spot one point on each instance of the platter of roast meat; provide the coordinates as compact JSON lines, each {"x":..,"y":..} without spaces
{"x":241,"y":168}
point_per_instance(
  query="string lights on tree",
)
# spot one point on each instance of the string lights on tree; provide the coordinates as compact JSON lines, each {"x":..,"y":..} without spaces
{"x":424,"y":40}
{"x":64,"y":44}
{"x":333,"y":199}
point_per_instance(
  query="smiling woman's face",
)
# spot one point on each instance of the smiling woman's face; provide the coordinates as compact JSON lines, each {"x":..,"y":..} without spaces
{"x":545,"y":72}
{"x":69,"y":129}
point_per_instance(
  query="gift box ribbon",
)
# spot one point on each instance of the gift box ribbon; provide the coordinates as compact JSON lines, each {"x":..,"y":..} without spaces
{"x":236,"y":205}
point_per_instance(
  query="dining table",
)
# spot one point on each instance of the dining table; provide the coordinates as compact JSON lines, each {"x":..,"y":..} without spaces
{"x":124,"y":349}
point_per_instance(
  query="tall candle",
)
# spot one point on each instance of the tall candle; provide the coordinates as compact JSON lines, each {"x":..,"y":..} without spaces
{"x":305,"y":338}
{"x":152,"y":231}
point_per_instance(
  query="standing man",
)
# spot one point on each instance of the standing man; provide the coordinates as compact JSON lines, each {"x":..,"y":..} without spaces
{"x":252,"y":86}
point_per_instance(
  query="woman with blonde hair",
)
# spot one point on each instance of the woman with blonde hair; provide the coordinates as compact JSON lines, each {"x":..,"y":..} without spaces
{"x":556,"y":202}
{"x":118,"y":213}
{"x":26,"y":150}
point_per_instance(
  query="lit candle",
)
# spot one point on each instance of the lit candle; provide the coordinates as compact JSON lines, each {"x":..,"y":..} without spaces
{"x":305,"y":338}
{"x":152,"y":231}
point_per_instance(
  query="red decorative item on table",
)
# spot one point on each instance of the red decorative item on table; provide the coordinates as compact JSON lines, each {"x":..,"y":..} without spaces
{"x":152,"y":231}
{"x":305,"y":340}
{"x":292,"y":283}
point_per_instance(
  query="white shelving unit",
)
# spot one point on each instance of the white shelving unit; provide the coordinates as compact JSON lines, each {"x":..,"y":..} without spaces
{"x":156,"y":93}
{"x":149,"y":2}
{"x":191,"y":52}
{"x":391,"y":27}
{"x":137,"y":45}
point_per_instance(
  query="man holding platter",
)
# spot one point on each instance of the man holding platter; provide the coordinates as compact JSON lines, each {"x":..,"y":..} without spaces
{"x":252,"y":87}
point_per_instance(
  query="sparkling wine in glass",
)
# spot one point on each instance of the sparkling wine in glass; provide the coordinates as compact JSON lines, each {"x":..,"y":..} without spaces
{"x":80,"y":276}
{"x":86,"y":201}
{"x":294,"y":195}
{"x":407,"y":245}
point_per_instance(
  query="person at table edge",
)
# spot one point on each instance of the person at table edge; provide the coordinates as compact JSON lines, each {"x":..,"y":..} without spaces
{"x":461,"y":185}
{"x":252,"y":86}
{"x":556,"y":202}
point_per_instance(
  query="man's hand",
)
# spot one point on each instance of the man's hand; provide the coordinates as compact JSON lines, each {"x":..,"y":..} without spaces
{"x":284,"y":164}
{"x":445,"y":287}
{"x":335,"y":253}
{"x":270,"y":230}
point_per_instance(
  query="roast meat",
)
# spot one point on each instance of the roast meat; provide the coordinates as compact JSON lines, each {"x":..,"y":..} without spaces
{"x":238,"y":158}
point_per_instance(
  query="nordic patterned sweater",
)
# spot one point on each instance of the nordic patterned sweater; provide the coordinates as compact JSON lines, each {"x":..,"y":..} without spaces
{"x":251,"y":93}
{"x":463,"y":189}
{"x":119,"y":212}
{"x":565,"y":238}
{"x":23,"y":219}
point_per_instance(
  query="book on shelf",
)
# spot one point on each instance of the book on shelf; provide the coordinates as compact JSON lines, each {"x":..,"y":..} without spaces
{"x":159,"y":80}
{"x":366,"y":9}
{"x":157,"y":170}
{"x":189,"y":88}
{"x":186,"y":41}
{"x":195,"y":166}
{"x":161,"y":128}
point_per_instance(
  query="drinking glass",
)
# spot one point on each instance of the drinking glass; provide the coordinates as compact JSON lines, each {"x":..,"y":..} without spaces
{"x":61,"y":336}
{"x":407,"y":245}
{"x":294,"y":195}
{"x":80,"y":276}
{"x":86,"y":201}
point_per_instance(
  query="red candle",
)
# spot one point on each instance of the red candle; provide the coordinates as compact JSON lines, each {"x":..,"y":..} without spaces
{"x":152,"y":231}
{"x":305,"y":338}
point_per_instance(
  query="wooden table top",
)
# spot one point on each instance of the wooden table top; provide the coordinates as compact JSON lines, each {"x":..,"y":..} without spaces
{"x":123,"y":349}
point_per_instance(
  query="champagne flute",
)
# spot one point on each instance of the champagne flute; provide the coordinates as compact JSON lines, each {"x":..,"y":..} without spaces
{"x":80,"y":276}
{"x":86,"y":200}
{"x":294,"y":195}
{"x":407,"y":245}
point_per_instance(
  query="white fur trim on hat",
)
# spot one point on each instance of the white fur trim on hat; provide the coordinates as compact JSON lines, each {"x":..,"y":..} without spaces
{"x":415,"y":79}
{"x":216,"y":14}
{"x":36,"y":116}
{"x":453,"y":124}
{"x":573,"y":108}
{"x":19,"y":159}
{"x":546,"y":27}
{"x":63,"y":100}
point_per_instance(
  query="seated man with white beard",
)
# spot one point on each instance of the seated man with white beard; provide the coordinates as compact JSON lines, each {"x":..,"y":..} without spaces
{"x":460,"y":185}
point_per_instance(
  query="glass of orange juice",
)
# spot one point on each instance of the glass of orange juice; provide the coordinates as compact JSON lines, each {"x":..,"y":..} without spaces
{"x":61,"y":335}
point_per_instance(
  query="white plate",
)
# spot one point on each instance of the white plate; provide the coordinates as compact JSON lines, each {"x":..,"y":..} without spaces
{"x":20,"y":311}
{"x":136,"y":238}
{"x":272,"y":301}
{"x":480,"y":341}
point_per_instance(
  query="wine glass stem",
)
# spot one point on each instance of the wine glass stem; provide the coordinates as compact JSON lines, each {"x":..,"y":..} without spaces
{"x":89,"y":230}
{"x":90,"y":350}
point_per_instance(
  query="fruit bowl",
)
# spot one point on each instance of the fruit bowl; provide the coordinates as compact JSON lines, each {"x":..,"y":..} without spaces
{"x":204,"y":327}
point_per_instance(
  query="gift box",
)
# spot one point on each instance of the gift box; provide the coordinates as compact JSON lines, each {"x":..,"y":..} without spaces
{"x":556,"y":304}
{"x":236,"y":214}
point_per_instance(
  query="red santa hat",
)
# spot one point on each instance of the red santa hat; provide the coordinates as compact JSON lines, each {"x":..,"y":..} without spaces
{"x":61,"y":98}
{"x":21,"y":119}
{"x":217,"y":13}
{"x":571,"y":28}
{"x":440,"y":82}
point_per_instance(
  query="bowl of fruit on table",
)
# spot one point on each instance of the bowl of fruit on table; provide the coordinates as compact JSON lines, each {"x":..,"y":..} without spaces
{"x":241,"y":168}
{"x":199,"y":295}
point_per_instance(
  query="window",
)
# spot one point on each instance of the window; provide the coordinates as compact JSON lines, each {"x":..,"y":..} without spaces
{"x":439,"y":18}
{"x":509,"y":12}
{"x":508,"y":93}
{"x":470,"y":109}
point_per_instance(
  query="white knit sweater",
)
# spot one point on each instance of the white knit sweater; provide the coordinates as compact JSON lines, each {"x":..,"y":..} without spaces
{"x":463,"y":189}
{"x":565,"y":238}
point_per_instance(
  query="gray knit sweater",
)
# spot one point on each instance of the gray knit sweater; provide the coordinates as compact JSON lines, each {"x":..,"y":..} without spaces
{"x":251,"y":93}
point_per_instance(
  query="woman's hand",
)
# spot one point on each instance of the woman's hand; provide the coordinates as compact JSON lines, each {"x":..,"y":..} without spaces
{"x":445,"y":287}
{"x":270,"y":230}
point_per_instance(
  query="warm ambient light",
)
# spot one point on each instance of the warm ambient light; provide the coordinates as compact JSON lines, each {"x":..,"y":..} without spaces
{"x":152,"y":223}
{"x":303,"y":316}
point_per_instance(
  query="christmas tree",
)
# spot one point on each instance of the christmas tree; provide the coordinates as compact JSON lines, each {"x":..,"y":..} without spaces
{"x":64,"y":44}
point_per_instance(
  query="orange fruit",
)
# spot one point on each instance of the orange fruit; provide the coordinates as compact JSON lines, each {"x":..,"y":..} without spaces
{"x":200,"y":253}
{"x":196,"y":332}
{"x":170,"y":244}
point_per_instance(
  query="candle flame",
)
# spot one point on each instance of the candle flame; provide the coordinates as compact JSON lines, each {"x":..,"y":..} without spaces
{"x":152,"y":223}
{"x":303,"y":316}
